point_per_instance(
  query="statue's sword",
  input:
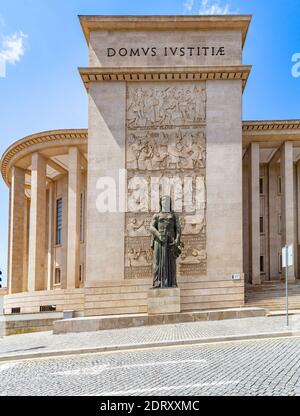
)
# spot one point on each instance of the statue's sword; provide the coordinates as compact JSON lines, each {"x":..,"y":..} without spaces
{"x":164,"y":252}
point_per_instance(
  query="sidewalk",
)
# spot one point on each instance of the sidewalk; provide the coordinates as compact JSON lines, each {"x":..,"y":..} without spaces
{"x":45,"y":344}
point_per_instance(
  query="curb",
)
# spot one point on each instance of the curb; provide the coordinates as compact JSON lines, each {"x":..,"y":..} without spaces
{"x":159,"y":344}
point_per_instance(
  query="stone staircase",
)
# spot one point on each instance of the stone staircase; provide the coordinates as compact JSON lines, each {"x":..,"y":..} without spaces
{"x":271,"y":295}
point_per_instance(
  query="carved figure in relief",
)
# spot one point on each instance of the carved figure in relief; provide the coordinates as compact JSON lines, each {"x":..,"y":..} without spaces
{"x":151,"y":107}
{"x":147,"y":154}
{"x":190,"y":113}
{"x":198,"y":154}
{"x":192,"y":255}
{"x":166,"y":150}
{"x":138,"y":257}
{"x":161,"y":151}
{"x":200,"y":109}
{"x":176,"y":152}
{"x":137,"y":228}
{"x":135,"y":108}
{"x":166,"y":106}
{"x":134,"y":149}
{"x":169,"y":107}
{"x":193,"y":224}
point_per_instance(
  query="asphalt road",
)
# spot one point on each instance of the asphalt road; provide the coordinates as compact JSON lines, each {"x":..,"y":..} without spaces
{"x":264,"y":367}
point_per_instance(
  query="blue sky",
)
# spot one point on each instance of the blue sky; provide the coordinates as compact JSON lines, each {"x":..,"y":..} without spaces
{"x":43,"y":45}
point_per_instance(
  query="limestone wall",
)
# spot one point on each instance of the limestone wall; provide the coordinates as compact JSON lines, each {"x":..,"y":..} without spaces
{"x":130,"y":296}
{"x":161,"y":129}
{"x":30,"y":302}
{"x":146,"y":150}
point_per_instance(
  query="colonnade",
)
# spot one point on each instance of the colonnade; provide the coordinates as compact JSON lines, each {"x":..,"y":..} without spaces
{"x":31,"y":244}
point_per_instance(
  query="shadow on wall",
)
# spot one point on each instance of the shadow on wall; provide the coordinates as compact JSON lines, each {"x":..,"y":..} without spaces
{"x":3,"y":292}
{"x":1,"y":304}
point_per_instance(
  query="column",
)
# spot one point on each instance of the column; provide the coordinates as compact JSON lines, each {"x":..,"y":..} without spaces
{"x":16,"y":238}
{"x":37,"y":230}
{"x":298,"y":216}
{"x":246,"y":239}
{"x":254,"y":210}
{"x":73,"y":218}
{"x":50,"y":238}
{"x":25,"y":230}
{"x":287,"y":199}
{"x":274,"y":222}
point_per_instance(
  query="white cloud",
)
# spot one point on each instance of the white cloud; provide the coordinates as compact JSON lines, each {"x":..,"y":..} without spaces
{"x":12,"y":49}
{"x":213,"y":7}
{"x":188,"y":6}
{"x":208,"y":7}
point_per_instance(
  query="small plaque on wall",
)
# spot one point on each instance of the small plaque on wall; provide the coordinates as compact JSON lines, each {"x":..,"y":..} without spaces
{"x":236,"y":276}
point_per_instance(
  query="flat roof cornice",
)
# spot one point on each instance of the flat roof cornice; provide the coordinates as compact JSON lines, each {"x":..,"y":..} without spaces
{"x":42,"y":139}
{"x":197,"y":22}
{"x":188,"y":73}
{"x":258,"y":125}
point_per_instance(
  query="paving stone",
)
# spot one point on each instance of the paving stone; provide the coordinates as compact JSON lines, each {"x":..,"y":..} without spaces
{"x":46,"y":341}
{"x":236,"y":368}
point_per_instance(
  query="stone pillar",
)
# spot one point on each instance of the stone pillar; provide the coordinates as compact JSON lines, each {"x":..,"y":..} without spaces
{"x":274,"y":221}
{"x":106,"y":156}
{"x":37,"y":230}
{"x":287,"y":199}
{"x":16,"y":239}
{"x":254,"y":210}
{"x":224,"y":178}
{"x":8,"y":240}
{"x":25,"y":230}
{"x":246,"y":229}
{"x":298,"y":216}
{"x":74,"y":187}
{"x":296,"y":255}
{"x":50,"y":238}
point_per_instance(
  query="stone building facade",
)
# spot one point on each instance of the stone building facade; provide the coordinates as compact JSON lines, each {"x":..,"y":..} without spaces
{"x":165,"y":103}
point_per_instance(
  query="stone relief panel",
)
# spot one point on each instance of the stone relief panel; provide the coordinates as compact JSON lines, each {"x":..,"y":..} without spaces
{"x":166,"y":140}
{"x":166,"y":105}
{"x":172,"y":148}
{"x":187,"y":189}
{"x":138,"y":254}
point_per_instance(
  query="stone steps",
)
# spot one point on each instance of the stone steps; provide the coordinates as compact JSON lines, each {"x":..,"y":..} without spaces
{"x":97,"y":323}
{"x":271,"y":295}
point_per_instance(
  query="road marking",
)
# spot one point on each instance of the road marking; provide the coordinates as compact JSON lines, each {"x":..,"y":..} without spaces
{"x":100,"y":368}
{"x":166,"y":388}
{"x":159,"y":363}
{"x":83,"y":371}
{"x":7,"y":366}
